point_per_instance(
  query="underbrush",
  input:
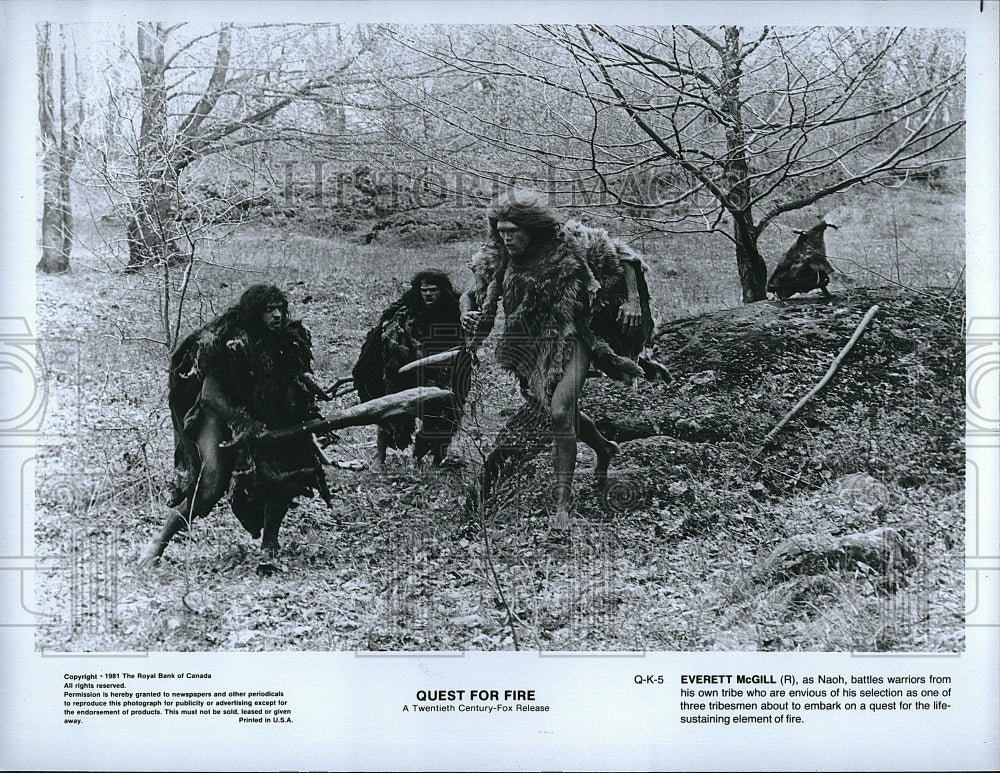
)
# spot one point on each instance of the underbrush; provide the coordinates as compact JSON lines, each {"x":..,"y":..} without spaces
{"x":669,"y":558}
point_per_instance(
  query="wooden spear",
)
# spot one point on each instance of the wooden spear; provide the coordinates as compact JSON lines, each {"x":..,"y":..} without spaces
{"x":409,"y":401}
{"x":823,"y":381}
{"x":439,"y":360}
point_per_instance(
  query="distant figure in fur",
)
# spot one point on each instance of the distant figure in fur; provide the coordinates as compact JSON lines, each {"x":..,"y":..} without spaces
{"x":573,"y":297}
{"x":423,"y":322}
{"x":246,"y":371}
{"x":804,"y":266}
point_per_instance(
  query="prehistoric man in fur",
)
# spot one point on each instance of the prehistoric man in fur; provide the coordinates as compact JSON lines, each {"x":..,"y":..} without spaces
{"x":423,"y":322}
{"x":573,"y":298}
{"x":246,"y":371}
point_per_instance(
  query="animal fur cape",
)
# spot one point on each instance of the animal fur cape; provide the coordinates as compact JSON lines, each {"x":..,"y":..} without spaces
{"x":805,"y":266}
{"x":406,"y":332}
{"x":577,"y":289}
{"x":266,"y":383}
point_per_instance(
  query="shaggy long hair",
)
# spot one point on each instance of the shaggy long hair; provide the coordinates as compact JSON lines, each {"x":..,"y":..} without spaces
{"x":254,"y":302}
{"x":527,"y":209}
{"x":408,"y":330}
{"x":413,"y":300}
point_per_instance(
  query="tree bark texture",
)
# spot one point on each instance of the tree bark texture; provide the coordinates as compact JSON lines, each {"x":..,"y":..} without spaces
{"x":736,"y":165}
{"x":57,"y":147}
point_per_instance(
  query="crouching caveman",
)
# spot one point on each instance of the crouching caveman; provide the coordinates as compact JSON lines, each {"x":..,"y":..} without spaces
{"x":422,"y":323}
{"x":805,"y":266}
{"x":573,"y":297}
{"x":245,"y":372}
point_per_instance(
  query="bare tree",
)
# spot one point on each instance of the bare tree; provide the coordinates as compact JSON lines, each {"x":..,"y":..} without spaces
{"x":59,"y":143}
{"x":236,"y":107}
{"x":723,"y":131}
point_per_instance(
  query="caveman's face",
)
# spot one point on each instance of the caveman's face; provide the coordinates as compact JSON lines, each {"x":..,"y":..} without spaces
{"x":430,"y":293}
{"x":273,"y":316}
{"x":514,"y":238}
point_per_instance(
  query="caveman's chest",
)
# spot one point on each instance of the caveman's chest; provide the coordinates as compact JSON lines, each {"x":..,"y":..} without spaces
{"x":269,"y":369}
{"x":544,"y":289}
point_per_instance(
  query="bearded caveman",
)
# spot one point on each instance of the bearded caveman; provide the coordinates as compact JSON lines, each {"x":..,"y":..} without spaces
{"x":573,"y":298}
{"x":246,"y":371}
{"x":421,"y":323}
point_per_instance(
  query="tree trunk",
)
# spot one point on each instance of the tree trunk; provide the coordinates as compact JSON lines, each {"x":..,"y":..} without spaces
{"x":749,"y":262}
{"x":151,"y":224}
{"x":57,"y":161}
{"x":67,"y":155}
{"x":736,"y":167}
{"x":151,"y":220}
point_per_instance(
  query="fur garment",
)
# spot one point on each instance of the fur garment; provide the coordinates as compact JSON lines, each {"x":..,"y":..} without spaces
{"x":804,"y":267}
{"x":408,"y":331}
{"x":265,"y":383}
{"x":575,"y":290}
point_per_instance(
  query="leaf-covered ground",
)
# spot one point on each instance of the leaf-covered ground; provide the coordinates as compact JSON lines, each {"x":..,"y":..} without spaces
{"x":672,"y":556}
{"x":675,"y":555}
{"x":696,"y":504}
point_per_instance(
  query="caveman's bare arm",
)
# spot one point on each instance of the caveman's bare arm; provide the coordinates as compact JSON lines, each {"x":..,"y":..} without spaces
{"x":630,"y":314}
{"x":214,"y":399}
{"x":467,"y":302}
{"x":470,"y":314}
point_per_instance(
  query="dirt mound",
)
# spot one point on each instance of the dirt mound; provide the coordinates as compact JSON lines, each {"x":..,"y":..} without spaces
{"x":692,"y":458}
{"x":894,"y":409}
{"x":433,"y":225}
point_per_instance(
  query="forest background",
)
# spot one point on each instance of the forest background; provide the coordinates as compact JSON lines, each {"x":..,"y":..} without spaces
{"x":182,"y":162}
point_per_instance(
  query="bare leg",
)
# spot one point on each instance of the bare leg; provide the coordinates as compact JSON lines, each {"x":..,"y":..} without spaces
{"x":604,"y":448}
{"x":176,"y":521}
{"x":565,"y":419}
{"x":381,"y":444}
{"x":274,"y":513}
{"x":213,"y":478}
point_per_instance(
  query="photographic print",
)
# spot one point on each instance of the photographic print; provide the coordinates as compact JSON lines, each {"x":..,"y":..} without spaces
{"x":588,"y":375}
{"x":711,"y":217}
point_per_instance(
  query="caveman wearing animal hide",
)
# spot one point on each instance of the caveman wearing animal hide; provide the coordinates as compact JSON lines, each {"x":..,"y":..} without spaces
{"x":573,"y":297}
{"x":246,"y":371}
{"x":805,"y":266}
{"x":423,"y":322}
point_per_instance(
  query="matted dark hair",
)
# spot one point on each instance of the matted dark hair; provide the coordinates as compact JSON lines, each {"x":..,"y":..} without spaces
{"x":255,"y":301}
{"x":528,"y":209}
{"x":434,"y":277}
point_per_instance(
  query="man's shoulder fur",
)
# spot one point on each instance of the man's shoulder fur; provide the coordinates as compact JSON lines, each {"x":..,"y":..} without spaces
{"x":224,"y":345}
{"x":596,"y":242}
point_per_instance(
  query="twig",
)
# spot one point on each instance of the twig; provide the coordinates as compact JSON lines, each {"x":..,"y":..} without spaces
{"x":823,"y":381}
{"x":480,"y":502}
{"x":338,"y":389}
{"x":488,"y":553}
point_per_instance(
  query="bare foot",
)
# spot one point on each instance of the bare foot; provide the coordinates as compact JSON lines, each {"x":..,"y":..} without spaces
{"x":604,"y":462}
{"x":150,"y":555}
{"x":560,"y":520}
{"x":268,"y":567}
